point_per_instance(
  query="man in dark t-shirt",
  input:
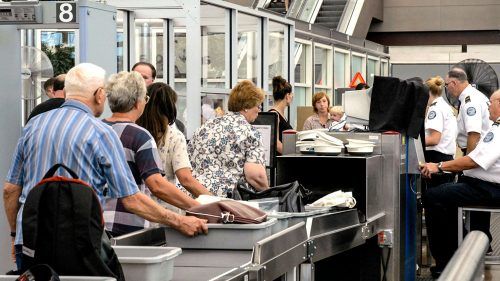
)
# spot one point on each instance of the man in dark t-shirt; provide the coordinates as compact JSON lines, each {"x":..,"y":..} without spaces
{"x":57,"y":98}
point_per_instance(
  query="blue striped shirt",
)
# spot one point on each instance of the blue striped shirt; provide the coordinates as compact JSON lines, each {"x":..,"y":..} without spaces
{"x":73,"y":136}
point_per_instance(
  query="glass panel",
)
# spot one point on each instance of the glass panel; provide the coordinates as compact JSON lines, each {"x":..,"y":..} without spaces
{"x":372,"y":71}
{"x":59,"y":46}
{"x":357,"y":65}
{"x":299,"y":99}
{"x":307,"y":10}
{"x":158,"y":54}
{"x":212,"y":105}
{"x":320,"y":66}
{"x":119,"y":41}
{"x":300,"y":67}
{"x":339,"y":71}
{"x":145,"y":40}
{"x":247,"y":47}
{"x":180,"y":54}
{"x":276,"y":50}
{"x":213,"y":46}
{"x":385,"y":68}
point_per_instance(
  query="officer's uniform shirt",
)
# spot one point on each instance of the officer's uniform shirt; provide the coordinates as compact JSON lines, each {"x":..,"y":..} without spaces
{"x":440,"y":118}
{"x":487,"y":156}
{"x":473,"y":115}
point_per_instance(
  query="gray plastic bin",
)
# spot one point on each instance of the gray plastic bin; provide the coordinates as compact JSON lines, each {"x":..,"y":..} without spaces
{"x":222,"y":236}
{"x":147,"y":263}
{"x":64,"y":278}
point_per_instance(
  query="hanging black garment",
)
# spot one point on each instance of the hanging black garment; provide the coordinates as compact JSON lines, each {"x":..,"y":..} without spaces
{"x":398,"y":105}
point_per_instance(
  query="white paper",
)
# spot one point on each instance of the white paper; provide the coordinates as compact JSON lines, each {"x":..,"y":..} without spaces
{"x":265,"y":132}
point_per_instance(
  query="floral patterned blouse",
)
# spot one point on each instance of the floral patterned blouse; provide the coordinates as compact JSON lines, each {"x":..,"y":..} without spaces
{"x":219,"y":150}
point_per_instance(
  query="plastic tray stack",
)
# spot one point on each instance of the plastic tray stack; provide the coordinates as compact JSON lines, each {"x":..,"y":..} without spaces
{"x":222,"y":236}
{"x":147,"y":263}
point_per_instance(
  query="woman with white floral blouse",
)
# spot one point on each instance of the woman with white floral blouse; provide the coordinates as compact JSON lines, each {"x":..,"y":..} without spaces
{"x":159,"y":113}
{"x":228,"y":149}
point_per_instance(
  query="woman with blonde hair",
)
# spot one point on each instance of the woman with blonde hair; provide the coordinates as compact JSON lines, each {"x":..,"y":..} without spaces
{"x":440,"y":129}
{"x":228,"y":149}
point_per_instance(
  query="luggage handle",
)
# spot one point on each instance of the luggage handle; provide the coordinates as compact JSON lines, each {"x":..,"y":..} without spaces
{"x":54,"y":168}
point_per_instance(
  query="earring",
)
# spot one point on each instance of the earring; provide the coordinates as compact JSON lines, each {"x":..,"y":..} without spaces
{"x":246,"y":110}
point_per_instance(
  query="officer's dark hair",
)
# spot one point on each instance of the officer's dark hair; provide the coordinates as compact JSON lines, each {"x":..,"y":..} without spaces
{"x":280,"y":88}
{"x":153,"y":69}
{"x":49,"y":83}
{"x":458,"y":74}
{"x":59,"y":82}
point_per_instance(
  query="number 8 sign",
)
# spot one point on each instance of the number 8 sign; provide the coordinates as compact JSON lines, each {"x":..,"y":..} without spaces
{"x":65,"y":12}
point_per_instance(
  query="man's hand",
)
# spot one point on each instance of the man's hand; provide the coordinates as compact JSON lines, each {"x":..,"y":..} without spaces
{"x":428,"y":169}
{"x":192,"y":226}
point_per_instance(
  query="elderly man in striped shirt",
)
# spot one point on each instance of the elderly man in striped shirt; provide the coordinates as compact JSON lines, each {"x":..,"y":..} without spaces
{"x":72,"y":135}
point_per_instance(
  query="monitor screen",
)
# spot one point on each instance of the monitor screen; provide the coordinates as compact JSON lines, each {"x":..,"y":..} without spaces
{"x":357,"y":106}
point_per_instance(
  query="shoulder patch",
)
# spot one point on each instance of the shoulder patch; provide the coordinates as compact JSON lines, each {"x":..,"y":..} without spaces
{"x":471,"y":111}
{"x":432,"y":115}
{"x":489,"y":137}
{"x":467,"y":99}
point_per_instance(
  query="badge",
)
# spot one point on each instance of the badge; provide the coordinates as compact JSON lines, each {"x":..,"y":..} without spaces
{"x":489,"y":136}
{"x":467,"y":99}
{"x":432,"y":115}
{"x":471,"y":111}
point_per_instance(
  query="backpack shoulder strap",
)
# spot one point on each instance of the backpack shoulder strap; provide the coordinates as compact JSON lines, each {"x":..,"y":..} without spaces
{"x":54,"y":168}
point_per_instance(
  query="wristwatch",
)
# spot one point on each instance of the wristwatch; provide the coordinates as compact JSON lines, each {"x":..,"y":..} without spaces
{"x":440,"y":167}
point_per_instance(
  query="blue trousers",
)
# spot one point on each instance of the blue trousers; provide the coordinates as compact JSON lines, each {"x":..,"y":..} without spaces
{"x":19,"y":256}
{"x":441,"y":206}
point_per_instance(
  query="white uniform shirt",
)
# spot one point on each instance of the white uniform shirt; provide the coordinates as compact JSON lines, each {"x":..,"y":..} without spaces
{"x":440,"y":118}
{"x":487,"y":156}
{"x":473,"y":115}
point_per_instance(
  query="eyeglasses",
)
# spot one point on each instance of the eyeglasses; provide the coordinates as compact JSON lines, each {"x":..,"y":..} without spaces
{"x":146,"y":99}
{"x":446,"y":84}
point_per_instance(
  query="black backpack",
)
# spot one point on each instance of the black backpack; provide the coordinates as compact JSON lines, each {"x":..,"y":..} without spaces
{"x":64,"y":228}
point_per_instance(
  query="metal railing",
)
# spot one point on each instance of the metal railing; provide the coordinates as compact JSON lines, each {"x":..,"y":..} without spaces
{"x":467,"y":264}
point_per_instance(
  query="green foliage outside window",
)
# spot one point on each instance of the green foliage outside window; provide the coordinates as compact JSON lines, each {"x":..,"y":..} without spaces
{"x":61,"y":57}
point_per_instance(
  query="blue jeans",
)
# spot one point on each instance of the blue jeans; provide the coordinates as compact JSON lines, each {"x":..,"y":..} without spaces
{"x":19,"y":257}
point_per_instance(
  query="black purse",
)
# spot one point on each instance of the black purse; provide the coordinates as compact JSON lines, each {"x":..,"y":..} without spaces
{"x":292,"y":196}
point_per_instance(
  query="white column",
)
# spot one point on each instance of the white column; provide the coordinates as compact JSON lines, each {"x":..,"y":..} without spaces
{"x":193,"y":69}
{"x":10,"y":121}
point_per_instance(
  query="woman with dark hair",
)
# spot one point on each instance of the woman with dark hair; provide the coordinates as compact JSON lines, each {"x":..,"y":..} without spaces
{"x":159,"y":114}
{"x":283,"y":96}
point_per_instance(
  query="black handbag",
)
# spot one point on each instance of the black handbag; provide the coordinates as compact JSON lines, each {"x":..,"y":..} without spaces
{"x":292,"y":196}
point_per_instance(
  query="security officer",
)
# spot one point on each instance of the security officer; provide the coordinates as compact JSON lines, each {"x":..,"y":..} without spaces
{"x":440,"y":131}
{"x":479,"y":185}
{"x":473,"y":119}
